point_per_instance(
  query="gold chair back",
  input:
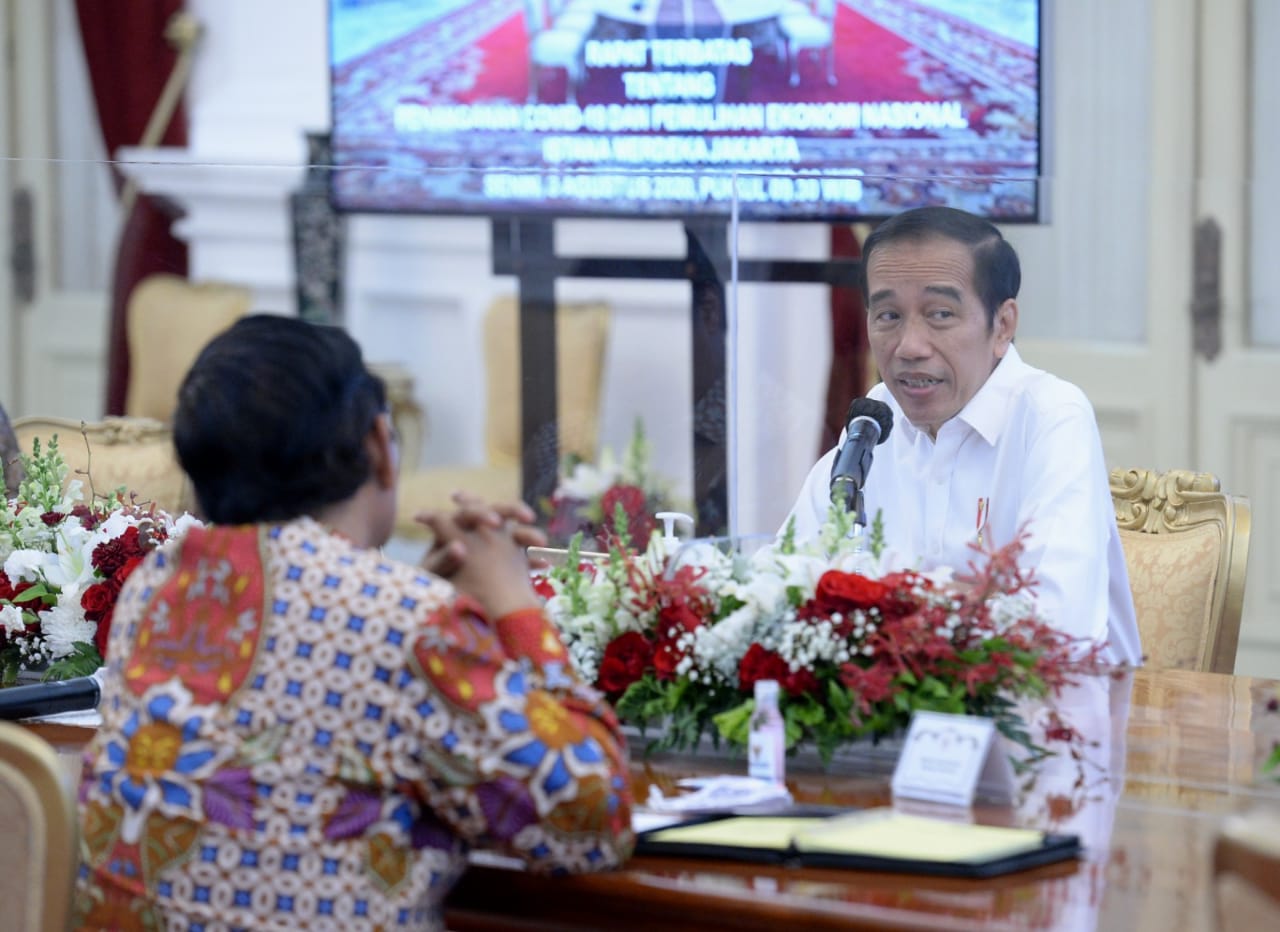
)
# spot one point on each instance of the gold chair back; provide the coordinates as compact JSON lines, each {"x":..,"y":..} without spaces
{"x":169,"y":321}
{"x":1186,"y":545}
{"x":39,"y":855}
{"x":582,"y":332}
{"x":136,"y":453}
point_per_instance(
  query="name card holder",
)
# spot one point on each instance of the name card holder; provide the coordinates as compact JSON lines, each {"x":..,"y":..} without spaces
{"x":952,"y":759}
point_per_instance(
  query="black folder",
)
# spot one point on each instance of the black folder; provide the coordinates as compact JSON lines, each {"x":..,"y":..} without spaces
{"x":872,"y":840}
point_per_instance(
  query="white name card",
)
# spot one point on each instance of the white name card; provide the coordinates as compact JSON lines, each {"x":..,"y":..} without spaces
{"x":950,"y":758}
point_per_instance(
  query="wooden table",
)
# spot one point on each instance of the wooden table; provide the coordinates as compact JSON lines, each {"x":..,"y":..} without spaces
{"x":1175,"y":752}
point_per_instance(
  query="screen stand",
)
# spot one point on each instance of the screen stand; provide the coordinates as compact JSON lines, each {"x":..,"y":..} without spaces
{"x":525,"y":248}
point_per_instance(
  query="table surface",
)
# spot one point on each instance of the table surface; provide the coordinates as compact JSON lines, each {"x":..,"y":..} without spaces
{"x":1171,"y":754}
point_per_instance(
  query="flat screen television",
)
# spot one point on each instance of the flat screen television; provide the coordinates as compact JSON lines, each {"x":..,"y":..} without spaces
{"x":796,"y":109}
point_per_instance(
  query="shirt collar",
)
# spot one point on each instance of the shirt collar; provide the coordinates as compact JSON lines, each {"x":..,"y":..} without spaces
{"x":987,"y":410}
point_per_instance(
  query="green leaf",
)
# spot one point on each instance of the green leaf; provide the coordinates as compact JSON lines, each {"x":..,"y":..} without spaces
{"x":734,"y":725}
{"x":82,"y":661}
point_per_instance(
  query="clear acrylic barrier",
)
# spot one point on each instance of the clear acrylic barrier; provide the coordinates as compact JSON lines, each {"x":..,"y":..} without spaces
{"x":1107,"y":297}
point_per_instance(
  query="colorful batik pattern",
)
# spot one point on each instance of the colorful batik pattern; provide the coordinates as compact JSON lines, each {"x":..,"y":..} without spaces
{"x":298,"y":734}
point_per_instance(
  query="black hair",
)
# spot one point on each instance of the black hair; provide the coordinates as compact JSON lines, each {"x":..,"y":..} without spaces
{"x":997,"y":275}
{"x":272,"y":419}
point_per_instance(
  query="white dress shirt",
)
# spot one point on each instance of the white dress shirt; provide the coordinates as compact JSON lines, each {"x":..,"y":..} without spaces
{"x":1028,"y":444}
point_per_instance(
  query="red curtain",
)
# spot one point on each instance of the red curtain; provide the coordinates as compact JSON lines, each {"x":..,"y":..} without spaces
{"x":847,"y":379}
{"x":129,"y":61}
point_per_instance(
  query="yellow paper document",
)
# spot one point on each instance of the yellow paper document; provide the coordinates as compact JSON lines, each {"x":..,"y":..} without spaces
{"x":883,"y":833}
{"x":875,"y":833}
{"x":765,"y":832}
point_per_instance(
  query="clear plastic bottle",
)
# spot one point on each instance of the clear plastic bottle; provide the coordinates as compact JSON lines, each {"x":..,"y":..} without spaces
{"x":767,"y":746}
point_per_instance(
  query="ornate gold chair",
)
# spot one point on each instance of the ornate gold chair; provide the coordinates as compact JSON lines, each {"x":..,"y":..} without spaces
{"x":39,"y":855}
{"x":581,"y":336}
{"x":169,"y":320}
{"x":1186,"y":544}
{"x":136,"y":453}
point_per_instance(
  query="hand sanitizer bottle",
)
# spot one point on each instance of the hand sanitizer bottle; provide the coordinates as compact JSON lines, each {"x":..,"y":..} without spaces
{"x":767,"y":746}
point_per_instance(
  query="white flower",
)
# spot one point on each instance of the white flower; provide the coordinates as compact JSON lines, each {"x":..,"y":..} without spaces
{"x":719,"y":648}
{"x":587,"y":482}
{"x":1008,"y":610}
{"x":792,"y":570}
{"x":116,"y":524}
{"x":73,"y":566}
{"x":184,"y":523}
{"x":64,"y":625}
{"x":27,"y":565}
{"x":11,"y":620}
{"x":73,"y":496}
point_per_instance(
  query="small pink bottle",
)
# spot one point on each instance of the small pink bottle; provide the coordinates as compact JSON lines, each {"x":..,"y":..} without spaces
{"x":767,"y":746}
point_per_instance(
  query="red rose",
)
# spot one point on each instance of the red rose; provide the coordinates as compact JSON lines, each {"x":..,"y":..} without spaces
{"x":900,"y":600}
{"x":800,"y":682}
{"x":542,"y":586}
{"x":110,"y":555}
{"x":844,"y":592}
{"x":120,"y":575}
{"x":625,"y":660}
{"x":102,"y":633}
{"x":7,"y":592}
{"x":97,"y":600}
{"x":760,"y":663}
{"x":635,"y":504}
{"x":674,"y":621}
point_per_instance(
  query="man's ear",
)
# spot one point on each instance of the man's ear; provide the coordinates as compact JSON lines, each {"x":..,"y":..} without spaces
{"x":1006,"y":326}
{"x":384,"y":452}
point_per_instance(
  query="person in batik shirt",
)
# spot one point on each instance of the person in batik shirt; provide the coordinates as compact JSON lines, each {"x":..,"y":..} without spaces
{"x":300,"y":733}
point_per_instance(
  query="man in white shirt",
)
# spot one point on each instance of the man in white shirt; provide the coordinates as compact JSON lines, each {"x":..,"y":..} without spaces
{"x":982,"y":443}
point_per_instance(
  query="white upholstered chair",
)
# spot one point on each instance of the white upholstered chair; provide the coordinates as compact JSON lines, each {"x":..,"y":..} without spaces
{"x":809,"y":27}
{"x":556,"y":42}
{"x":1186,"y":545}
{"x":39,"y":855}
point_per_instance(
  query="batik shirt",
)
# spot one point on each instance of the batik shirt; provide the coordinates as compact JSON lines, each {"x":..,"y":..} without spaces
{"x":300,"y":734}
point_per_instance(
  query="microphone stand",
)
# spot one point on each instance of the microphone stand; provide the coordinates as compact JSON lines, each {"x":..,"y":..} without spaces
{"x":844,"y":491}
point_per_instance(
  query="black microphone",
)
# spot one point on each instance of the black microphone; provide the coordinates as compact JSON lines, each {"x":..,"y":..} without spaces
{"x":77,"y":694}
{"x":868,"y":423}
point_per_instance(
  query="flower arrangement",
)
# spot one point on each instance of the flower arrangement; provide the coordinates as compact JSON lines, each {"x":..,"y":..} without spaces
{"x":63,"y":563}
{"x":856,"y":644}
{"x":599,"y":500}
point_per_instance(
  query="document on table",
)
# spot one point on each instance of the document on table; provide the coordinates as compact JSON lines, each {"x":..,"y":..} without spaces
{"x":875,"y":839}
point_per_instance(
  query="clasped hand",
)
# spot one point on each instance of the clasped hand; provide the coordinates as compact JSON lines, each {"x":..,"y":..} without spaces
{"x":480,"y":548}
